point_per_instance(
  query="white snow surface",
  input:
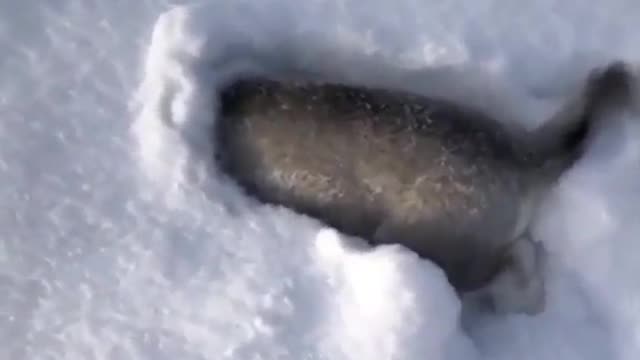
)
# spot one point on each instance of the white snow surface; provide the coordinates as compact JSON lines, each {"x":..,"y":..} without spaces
{"x":120,"y":241}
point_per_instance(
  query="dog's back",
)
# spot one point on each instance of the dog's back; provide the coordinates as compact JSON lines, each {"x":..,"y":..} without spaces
{"x":441,"y":179}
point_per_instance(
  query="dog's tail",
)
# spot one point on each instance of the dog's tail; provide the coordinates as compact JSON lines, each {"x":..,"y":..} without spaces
{"x":562,"y":138}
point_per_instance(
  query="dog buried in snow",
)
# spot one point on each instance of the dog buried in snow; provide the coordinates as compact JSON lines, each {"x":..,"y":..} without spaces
{"x":445,"y":181}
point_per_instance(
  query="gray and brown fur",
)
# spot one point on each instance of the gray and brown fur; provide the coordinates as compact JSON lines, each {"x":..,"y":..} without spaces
{"x":445,"y":181}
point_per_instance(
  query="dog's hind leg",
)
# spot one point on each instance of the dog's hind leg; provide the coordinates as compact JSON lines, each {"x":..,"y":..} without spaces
{"x":519,"y":286}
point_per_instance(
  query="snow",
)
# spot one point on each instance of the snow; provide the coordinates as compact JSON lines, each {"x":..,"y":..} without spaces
{"x":119,"y":240}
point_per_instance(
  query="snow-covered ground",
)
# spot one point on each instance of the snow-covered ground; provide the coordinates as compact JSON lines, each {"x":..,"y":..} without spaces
{"x":118,"y":240}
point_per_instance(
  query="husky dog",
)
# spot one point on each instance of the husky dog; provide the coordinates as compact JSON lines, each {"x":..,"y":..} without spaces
{"x":444,"y":180}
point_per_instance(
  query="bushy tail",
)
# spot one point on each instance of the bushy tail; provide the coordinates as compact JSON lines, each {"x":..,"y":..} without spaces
{"x":563,"y":137}
{"x":609,"y":87}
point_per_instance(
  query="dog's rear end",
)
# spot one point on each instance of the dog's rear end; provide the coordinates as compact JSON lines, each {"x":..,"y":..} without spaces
{"x":555,"y":147}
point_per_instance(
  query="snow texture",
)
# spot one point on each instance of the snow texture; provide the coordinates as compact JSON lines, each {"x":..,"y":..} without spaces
{"x":120,"y":241}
